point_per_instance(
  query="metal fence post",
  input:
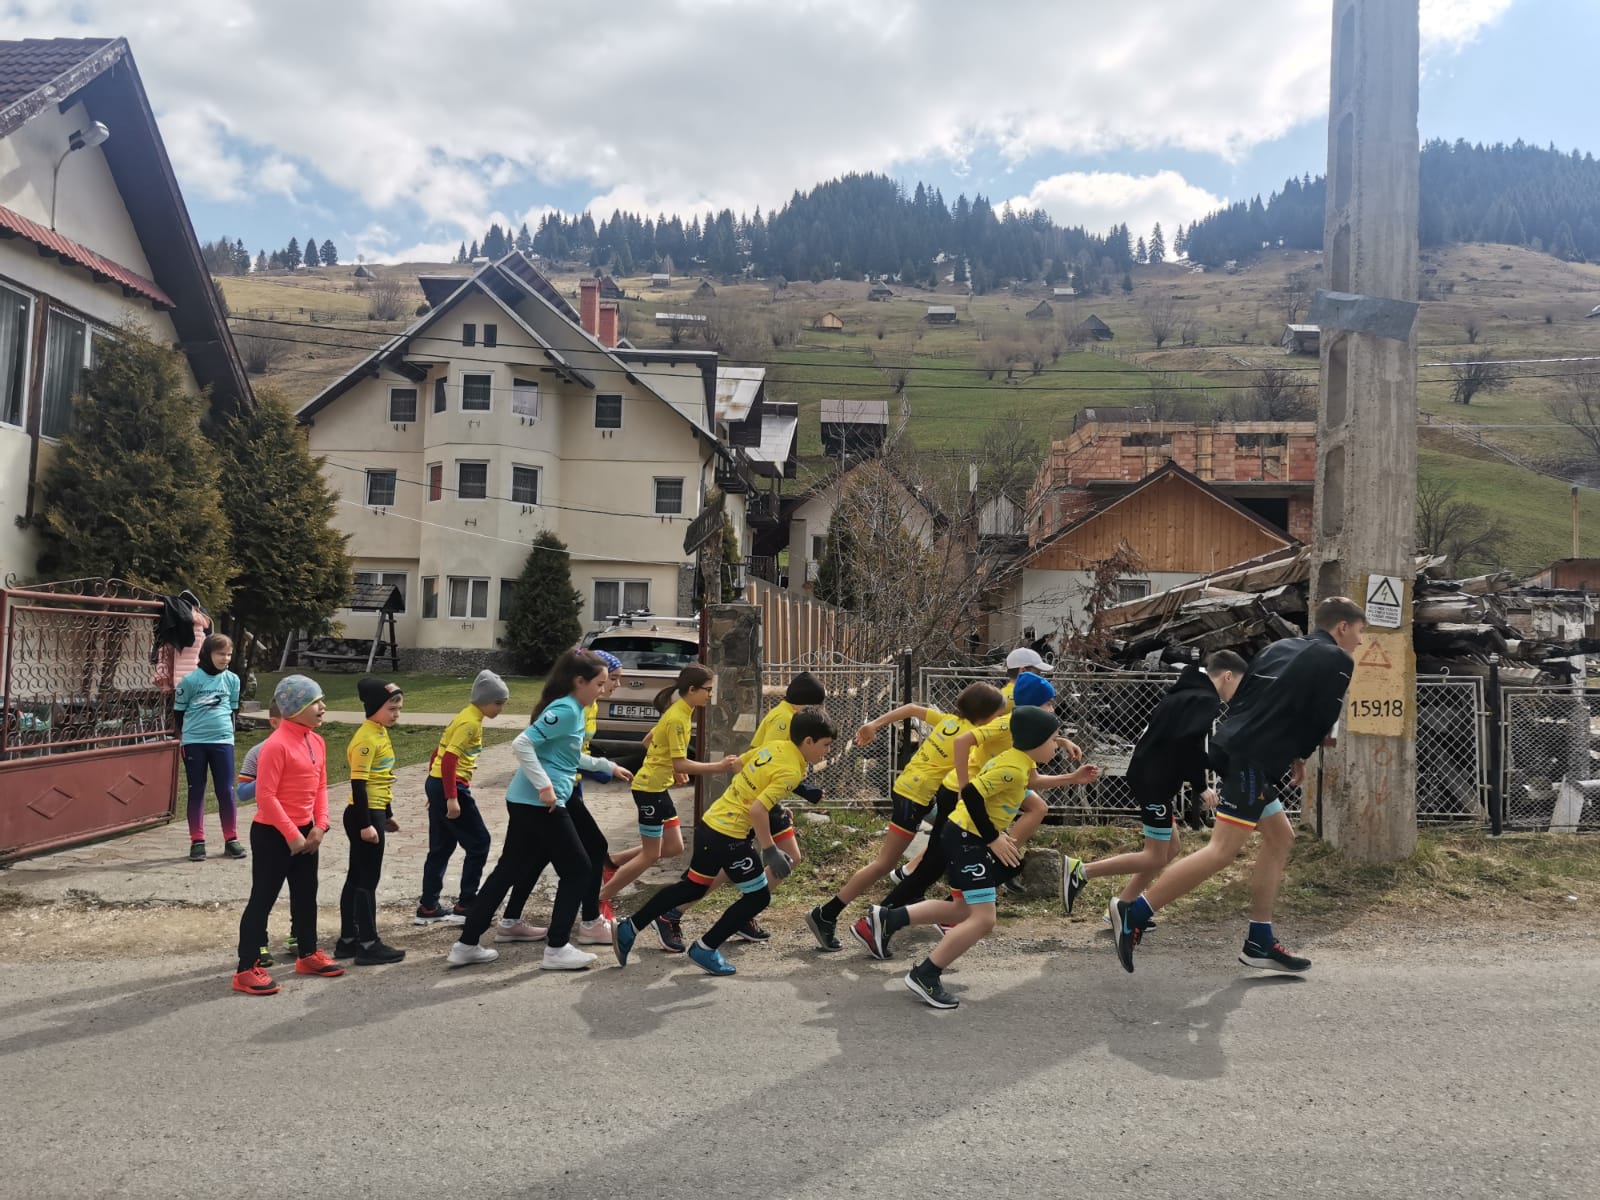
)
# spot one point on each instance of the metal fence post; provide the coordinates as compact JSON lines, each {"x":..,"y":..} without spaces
{"x":907,"y":689}
{"x":1495,"y":702}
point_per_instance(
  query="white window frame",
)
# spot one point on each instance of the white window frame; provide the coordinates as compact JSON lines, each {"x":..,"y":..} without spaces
{"x":617,"y":396}
{"x":525,"y":399}
{"x":538,"y":483}
{"x":472,"y":462}
{"x":399,"y":579}
{"x":88,"y":358}
{"x":472,"y":582}
{"x":25,"y":367}
{"x":488,"y":399}
{"x":669,"y":512}
{"x":601,"y":612}
{"x":1129,"y":584}
{"x":394,"y":486}
{"x":430,"y":597}
{"x":416,"y":406}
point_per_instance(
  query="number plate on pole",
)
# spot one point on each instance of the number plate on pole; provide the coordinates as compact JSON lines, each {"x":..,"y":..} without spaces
{"x":1381,"y":695}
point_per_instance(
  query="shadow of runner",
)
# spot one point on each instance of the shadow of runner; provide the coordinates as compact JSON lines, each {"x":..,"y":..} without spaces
{"x":128,"y":1006}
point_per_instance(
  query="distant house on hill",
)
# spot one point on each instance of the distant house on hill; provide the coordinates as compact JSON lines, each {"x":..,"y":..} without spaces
{"x":879,"y":291}
{"x":705,"y":291}
{"x":1301,"y":339}
{"x":829,"y":323}
{"x":668,"y":319}
{"x":660,"y":280}
{"x":610,"y":289}
{"x":1096,"y":329}
{"x":1063,"y":293}
{"x":854,"y":428}
{"x":362,"y":273}
{"x":1041,"y":311}
{"x":941,"y":314}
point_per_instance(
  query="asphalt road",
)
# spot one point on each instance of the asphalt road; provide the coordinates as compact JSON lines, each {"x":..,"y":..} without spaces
{"x":1465,"y":1068}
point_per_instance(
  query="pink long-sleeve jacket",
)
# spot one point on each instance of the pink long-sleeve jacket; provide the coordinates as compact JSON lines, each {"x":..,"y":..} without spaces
{"x":292,"y":780}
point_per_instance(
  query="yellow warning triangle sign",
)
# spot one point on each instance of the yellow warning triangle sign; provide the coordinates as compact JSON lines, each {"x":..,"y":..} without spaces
{"x":1375,"y":657}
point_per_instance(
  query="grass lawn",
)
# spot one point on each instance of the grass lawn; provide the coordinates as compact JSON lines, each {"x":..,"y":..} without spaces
{"x":1462,"y":871}
{"x":412,"y":744}
{"x":424,"y":693}
{"x":1536,"y":508}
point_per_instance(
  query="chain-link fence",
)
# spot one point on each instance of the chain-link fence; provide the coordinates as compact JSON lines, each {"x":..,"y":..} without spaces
{"x":1452,"y":749}
{"x":857,"y":693}
{"x":1550,"y":777}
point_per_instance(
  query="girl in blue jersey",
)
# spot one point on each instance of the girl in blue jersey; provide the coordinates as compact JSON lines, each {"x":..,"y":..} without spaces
{"x":541,"y":831}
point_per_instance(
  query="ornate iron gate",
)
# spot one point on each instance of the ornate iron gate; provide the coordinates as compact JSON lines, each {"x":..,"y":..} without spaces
{"x":87,"y":748}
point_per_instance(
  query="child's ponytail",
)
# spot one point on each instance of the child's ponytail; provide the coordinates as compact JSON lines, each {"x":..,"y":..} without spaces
{"x":692,"y":676}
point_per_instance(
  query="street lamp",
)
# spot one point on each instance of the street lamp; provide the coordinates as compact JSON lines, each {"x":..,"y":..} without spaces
{"x":94,"y":133}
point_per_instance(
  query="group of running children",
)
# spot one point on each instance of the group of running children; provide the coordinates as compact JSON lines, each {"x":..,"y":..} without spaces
{"x":975,"y":779}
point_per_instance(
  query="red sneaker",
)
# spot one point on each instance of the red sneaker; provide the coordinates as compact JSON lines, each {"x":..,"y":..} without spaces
{"x":607,"y":913}
{"x":254,"y":981}
{"x":606,"y":872}
{"x":317,"y":964}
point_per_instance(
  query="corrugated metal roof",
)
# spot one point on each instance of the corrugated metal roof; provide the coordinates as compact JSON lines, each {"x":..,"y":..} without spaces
{"x":777,"y":440}
{"x":16,"y":225}
{"x":855,"y":412}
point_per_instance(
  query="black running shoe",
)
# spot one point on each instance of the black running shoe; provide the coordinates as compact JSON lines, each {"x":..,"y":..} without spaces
{"x":1124,"y":934}
{"x":378,"y":955}
{"x":669,"y":928}
{"x":1273,"y":958}
{"x":872,"y":931}
{"x":197,"y":852}
{"x":751,"y":932}
{"x":824,"y":930}
{"x":346,"y":948}
{"x":929,"y":990}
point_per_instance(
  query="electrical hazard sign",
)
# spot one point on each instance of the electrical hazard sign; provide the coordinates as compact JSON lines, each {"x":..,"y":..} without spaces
{"x":1385,"y":597}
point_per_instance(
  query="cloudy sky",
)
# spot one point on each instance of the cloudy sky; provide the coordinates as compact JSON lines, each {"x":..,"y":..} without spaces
{"x":399,"y":129}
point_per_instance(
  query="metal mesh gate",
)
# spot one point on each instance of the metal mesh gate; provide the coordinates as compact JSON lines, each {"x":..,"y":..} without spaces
{"x":1550,"y":777}
{"x":857,"y":692}
{"x":1452,"y":749}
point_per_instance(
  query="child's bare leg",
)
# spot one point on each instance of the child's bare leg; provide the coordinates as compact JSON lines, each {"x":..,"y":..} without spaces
{"x":979,"y":923}
{"x":648,"y":854}
{"x":894,"y":845}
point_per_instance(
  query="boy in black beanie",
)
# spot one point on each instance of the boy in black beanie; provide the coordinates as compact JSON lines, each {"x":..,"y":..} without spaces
{"x":366,"y":820}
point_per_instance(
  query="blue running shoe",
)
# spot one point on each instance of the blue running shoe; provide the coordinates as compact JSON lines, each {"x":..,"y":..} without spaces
{"x":1124,"y":933}
{"x":711,"y":961}
{"x":622,"y":936}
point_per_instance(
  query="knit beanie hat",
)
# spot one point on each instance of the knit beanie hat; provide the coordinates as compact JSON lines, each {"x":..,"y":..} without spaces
{"x":1032,"y":727}
{"x":805,"y":689}
{"x":489,"y":688}
{"x":375,"y":693}
{"x":294,"y":694}
{"x":1033,"y":689}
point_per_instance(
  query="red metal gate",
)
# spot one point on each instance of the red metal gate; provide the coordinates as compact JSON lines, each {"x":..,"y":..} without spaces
{"x":87,"y":748}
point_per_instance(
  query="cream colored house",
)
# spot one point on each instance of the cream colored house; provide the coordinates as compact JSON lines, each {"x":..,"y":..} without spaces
{"x":93,"y":235}
{"x":500,"y":413}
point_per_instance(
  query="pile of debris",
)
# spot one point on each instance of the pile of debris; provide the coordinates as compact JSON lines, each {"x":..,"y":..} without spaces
{"x":1538,"y":633}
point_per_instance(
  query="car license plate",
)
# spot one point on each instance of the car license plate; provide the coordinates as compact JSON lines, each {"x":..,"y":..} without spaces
{"x":642,"y":712}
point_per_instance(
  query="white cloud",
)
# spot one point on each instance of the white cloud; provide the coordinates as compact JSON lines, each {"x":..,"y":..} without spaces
{"x":1099,"y":199}
{"x":689,"y":104}
{"x":280,"y":176}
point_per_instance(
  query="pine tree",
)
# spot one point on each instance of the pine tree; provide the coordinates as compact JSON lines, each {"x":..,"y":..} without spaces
{"x":1140,"y":254}
{"x":473,"y":255}
{"x":1179,"y":242}
{"x":1158,"y":246}
{"x":261,"y":260}
{"x":293,"y":570}
{"x":291,"y":254}
{"x":133,"y":490}
{"x":312,"y":257}
{"x":461,"y":254}
{"x":1514,"y":234}
{"x":330,"y":253}
{"x":524,"y":239}
{"x":1127,"y":281}
{"x":241,"y":258}
{"x":543,"y":618}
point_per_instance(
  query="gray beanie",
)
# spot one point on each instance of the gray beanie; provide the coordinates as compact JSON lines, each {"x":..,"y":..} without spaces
{"x":489,"y":688}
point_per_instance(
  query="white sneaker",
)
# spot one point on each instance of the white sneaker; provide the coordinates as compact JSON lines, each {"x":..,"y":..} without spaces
{"x":519,"y":931}
{"x":566,"y":958}
{"x":463,"y":955}
{"x":592,"y":933}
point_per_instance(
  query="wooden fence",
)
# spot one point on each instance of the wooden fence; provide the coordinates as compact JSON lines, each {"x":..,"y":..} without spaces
{"x":796,"y":628}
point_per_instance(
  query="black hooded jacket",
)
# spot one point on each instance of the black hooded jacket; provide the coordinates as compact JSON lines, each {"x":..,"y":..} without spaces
{"x":1287,"y":702}
{"x":1172,"y":748}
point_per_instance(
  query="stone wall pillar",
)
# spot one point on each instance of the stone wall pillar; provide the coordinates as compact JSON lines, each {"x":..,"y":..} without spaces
{"x":733,"y":652}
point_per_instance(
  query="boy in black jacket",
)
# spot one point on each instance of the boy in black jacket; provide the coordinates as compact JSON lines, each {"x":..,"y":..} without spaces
{"x":1171,"y":752}
{"x":1287,"y":703}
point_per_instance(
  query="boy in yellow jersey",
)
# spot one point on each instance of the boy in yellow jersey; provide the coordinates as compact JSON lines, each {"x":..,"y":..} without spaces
{"x":453,"y":816}
{"x":1019,"y":662}
{"x":366,"y":819}
{"x":968,"y":752}
{"x":735,"y":836}
{"x":982,"y":845}
{"x":914,"y":792}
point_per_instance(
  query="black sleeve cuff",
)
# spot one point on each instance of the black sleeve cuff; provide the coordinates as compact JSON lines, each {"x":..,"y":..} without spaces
{"x":979,"y":813}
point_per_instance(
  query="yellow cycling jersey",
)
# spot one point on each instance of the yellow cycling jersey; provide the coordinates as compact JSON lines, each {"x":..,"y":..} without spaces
{"x":774,"y":726}
{"x":1003,"y":784}
{"x":768,"y":775}
{"x":371,"y":758}
{"x":668,"y":741}
{"x":932,"y":762}
{"x":463,"y":737}
{"x":992,"y":739}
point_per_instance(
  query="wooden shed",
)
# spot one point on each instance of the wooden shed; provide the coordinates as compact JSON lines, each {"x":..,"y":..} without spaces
{"x":829,"y":322}
{"x":705,"y":291}
{"x":879,"y":291}
{"x":1041,"y":311}
{"x":1096,"y":329}
{"x":941,"y":314}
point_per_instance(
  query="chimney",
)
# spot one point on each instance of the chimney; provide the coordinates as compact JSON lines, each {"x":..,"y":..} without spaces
{"x":589,"y":306}
{"x":608,"y":324}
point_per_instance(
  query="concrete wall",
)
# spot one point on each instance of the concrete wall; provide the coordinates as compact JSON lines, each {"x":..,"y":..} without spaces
{"x":1044,"y":599}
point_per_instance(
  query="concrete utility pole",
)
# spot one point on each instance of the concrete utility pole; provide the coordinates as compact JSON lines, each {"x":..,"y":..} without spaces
{"x":1366,"y":497}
